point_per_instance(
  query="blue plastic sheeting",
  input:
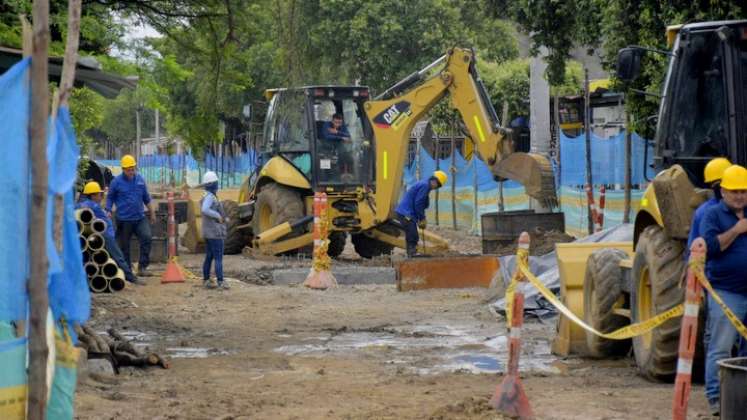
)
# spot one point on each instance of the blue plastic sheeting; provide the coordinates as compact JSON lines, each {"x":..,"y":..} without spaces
{"x":14,"y":191}
{"x":68,"y":290}
{"x":607,"y":160}
{"x":231,"y":170}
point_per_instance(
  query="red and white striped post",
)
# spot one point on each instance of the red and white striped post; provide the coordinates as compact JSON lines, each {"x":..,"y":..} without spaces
{"x":688,"y":333}
{"x":173,"y":273}
{"x":592,"y":207}
{"x":602,"y":202}
{"x":320,"y":276}
{"x":509,"y":398}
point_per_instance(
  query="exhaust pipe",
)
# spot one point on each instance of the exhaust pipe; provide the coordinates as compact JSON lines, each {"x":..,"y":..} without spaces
{"x":91,"y":269}
{"x":117,"y":282}
{"x":84,"y":215}
{"x":98,"y":284}
{"x":98,"y":226}
{"x":100,"y":257}
{"x":95,"y":242}
{"x":109,"y":269}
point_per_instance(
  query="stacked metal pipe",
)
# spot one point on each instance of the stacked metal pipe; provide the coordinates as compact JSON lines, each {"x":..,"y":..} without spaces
{"x":103,"y":273}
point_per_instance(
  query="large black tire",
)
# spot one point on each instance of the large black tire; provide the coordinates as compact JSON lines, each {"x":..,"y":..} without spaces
{"x":336,"y":243}
{"x":602,"y":290}
{"x":277,"y":204}
{"x":368,"y":247}
{"x":236,"y":239}
{"x":658,"y":267}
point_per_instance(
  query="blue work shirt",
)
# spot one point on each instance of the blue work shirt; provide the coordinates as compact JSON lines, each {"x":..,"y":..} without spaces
{"x":129,"y":197}
{"x":98,"y":212}
{"x":697,"y":218}
{"x":725,"y":269}
{"x":342,"y":132}
{"x":415,"y":201}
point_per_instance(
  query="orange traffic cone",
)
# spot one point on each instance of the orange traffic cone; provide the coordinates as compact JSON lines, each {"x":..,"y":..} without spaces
{"x":173,"y":273}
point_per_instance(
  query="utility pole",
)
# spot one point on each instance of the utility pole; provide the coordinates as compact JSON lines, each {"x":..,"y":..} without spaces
{"x":37,"y":281}
{"x":138,"y":138}
{"x":587,"y":133}
{"x":628,"y":169}
{"x":558,"y":133}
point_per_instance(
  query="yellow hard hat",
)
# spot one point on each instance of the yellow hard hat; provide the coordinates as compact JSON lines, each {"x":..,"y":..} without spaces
{"x":735,"y":178}
{"x":441,"y":177}
{"x":128,"y":161}
{"x":92,"y":187}
{"x":715,"y":168}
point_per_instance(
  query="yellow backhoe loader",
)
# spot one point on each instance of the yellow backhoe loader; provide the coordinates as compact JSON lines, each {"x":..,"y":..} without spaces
{"x":703,"y":114}
{"x":362,"y":176}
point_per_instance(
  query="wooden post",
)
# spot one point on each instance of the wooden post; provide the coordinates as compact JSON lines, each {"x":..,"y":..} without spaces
{"x":628,"y":169}
{"x":452,"y":173}
{"x":476,"y":201}
{"x":587,"y":134}
{"x":37,"y":281}
{"x":418,"y":141}
{"x":500,"y":196}
{"x":436,"y":156}
{"x":138,"y":137}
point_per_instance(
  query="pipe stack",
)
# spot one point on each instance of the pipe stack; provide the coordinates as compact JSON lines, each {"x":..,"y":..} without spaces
{"x":103,"y":273}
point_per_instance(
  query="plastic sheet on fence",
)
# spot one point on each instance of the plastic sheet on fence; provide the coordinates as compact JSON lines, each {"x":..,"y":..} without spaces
{"x":607,"y":160}
{"x":184,"y":168}
{"x":68,"y":291}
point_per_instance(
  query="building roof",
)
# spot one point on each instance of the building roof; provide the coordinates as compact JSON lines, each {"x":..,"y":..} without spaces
{"x":107,"y":85}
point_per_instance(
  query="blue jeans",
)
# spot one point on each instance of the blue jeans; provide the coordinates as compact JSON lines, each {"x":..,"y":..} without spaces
{"x":110,"y":244}
{"x":213,"y":250}
{"x":141,"y":229}
{"x":720,"y":336}
{"x":411,"y":230}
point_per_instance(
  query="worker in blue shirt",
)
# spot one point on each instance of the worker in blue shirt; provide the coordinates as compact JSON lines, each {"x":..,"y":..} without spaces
{"x":335,"y":134}
{"x":128,"y":194}
{"x":724,"y":229}
{"x":411,"y":208}
{"x":712,"y":174}
{"x":213,"y":230}
{"x":91,"y":198}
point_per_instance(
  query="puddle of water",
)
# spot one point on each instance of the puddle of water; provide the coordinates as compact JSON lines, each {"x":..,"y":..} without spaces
{"x":481,"y":362}
{"x":194,"y":352}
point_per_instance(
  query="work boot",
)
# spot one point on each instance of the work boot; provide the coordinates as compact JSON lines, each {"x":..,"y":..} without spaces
{"x":412,"y":250}
{"x":223,"y":285}
{"x":715,"y":408}
{"x":208,"y":284}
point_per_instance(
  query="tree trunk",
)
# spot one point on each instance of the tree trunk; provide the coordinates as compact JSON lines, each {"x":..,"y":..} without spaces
{"x":587,"y":134}
{"x":628,"y":169}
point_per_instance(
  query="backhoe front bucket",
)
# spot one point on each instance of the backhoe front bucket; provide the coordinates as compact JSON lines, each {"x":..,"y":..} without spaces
{"x":534,"y":172}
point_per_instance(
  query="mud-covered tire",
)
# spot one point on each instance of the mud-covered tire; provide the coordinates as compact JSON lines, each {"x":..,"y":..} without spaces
{"x":336,"y":243}
{"x":658,"y":267}
{"x":236,"y":239}
{"x":368,"y":247}
{"x":602,"y":290}
{"x":284,"y":204}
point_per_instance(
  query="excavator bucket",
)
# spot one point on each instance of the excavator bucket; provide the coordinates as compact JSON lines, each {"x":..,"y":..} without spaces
{"x":534,"y":172}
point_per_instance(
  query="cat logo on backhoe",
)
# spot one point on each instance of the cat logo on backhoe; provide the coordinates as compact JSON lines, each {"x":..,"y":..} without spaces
{"x":394,"y":116}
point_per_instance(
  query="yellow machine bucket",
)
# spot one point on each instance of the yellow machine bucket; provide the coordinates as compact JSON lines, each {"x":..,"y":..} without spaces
{"x":533,"y":172}
{"x":572,"y":258}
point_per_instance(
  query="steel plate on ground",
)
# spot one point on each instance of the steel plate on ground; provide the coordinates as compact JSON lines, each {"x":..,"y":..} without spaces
{"x":446,"y":272}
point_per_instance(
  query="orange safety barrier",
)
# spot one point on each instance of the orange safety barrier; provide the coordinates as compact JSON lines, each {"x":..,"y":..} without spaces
{"x":173,"y":273}
{"x":688,"y":333}
{"x":509,"y":398}
{"x":320,"y":276}
{"x":600,"y":213}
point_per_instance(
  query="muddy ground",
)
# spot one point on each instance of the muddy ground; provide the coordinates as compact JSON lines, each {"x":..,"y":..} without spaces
{"x":262,"y":351}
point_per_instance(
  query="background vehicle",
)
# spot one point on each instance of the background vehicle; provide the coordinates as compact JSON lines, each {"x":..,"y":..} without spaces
{"x":703,"y":114}
{"x":363,"y":177}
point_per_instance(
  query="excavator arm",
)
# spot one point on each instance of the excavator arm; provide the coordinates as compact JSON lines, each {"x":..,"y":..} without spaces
{"x":394,"y":113}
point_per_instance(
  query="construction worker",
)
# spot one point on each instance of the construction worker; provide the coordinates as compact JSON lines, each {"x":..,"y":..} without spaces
{"x":411,"y":208}
{"x":128,"y":194}
{"x":91,"y":198}
{"x":724,"y":229}
{"x":712,"y":174}
{"x":213,"y":230}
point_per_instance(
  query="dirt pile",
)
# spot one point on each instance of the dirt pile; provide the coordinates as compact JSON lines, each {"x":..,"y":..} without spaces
{"x":469,"y":408}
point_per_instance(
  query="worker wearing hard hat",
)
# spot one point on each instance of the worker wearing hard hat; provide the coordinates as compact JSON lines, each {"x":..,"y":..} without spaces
{"x":128,"y":196}
{"x":412,"y":206}
{"x":213,"y":230}
{"x":724,"y":229}
{"x":91,"y":198}
{"x":712,"y":174}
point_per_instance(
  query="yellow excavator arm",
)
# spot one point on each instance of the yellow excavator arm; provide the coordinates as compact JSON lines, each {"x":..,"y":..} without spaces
{"x":394,"y":113}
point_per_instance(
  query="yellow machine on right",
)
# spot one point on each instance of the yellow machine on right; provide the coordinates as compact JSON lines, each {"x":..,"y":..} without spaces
{"x":703,"y":114}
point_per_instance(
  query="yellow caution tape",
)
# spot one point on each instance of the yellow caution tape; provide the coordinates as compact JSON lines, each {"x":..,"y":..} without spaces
{"x":629,"y":331}
{"x":701,"y":277}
